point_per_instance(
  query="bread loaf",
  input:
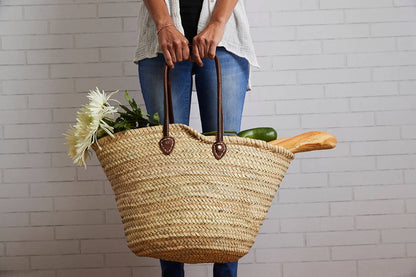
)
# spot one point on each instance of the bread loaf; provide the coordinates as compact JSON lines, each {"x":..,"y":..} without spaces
{"x":314,"y":140}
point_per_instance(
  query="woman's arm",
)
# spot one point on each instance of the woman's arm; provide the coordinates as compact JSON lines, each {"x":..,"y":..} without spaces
{"x":174,"y":45}
{"x":205,"y":43}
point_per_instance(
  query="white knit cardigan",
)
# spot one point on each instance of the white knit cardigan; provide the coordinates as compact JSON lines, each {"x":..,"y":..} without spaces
{"x":236,"y":38}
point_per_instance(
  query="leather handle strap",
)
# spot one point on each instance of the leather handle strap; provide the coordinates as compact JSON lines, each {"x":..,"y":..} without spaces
{"x":219,"y":148}
{"x":167,"y":143}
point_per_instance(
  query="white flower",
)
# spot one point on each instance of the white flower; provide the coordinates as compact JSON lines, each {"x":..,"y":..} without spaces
{"x":90,"y":125}
{"x":98,"y":99}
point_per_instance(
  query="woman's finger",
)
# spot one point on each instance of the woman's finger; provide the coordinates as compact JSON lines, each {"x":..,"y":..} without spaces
{"x":177,"y":48}
{"x":201,"y":49}
{"x":212,"y":51}
{"x":165,"y":51}
{"x":185,"y":52}
{"x":195,"y":55}
{"x":172,"y":54}
{"x":168,"y":58}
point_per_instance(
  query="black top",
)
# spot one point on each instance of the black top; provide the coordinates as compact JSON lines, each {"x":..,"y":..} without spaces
{"x":190,"y":11}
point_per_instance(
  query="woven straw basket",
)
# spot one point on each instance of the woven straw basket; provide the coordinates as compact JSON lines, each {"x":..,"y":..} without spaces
{"x":190,"y":198}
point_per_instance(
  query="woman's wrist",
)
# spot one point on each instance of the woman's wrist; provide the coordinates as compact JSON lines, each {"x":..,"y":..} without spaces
{"x":217,"y":23}
{"x":159,"y":12}
{"x":164,"y":27}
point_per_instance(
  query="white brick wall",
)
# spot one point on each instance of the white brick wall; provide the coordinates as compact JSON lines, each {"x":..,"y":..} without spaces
{"x":343,"y":66}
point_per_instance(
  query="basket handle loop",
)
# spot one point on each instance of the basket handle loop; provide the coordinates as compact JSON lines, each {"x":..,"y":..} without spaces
{"x":167,"y":143}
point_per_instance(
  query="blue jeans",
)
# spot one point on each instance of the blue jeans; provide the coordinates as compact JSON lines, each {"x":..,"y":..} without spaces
{"x":175,"y":269}
{"x":235,"y":71}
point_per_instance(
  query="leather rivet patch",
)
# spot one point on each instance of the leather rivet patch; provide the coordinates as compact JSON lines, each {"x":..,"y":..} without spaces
{"x":166,"y":145}
{"x":219,"y":149}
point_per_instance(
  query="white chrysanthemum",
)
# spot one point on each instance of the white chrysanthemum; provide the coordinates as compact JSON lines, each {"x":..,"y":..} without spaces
{"x":90,"y":125}
{"x":98,"y":100}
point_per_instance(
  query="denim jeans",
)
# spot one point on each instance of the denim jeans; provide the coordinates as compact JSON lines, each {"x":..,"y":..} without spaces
{"x":235,"y":71}
{"x":175,"y":269}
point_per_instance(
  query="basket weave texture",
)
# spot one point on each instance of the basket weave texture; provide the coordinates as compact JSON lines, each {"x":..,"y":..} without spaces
{"x":188,"y":206}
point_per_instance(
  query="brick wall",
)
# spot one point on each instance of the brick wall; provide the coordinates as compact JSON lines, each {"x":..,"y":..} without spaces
{"x":343,"y":66}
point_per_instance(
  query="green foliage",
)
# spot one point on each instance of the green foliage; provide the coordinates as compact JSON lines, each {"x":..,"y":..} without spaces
{"x":132,"y":118}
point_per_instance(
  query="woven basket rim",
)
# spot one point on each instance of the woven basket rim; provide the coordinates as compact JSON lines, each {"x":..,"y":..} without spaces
{"x":207,"y":139}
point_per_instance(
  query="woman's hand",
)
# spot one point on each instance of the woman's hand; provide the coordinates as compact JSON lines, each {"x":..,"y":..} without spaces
{"x":204,"y":44}
{"x":174,"y":45}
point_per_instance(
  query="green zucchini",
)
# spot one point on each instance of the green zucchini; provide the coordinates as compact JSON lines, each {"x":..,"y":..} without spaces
{"x":261,"y":133}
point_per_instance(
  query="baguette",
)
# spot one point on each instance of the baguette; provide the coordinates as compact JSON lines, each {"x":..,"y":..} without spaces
{"x":310,"y":141}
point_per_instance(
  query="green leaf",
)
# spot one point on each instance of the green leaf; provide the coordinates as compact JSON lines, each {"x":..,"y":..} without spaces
{"x":156,"y":118}
{"x":127,"y":115}
{"x":133,"y":117}
{"x":128,"y":111}
{"x":126,"y":95}
{"x":153,"y":121}
{"x":125,"y":108}
{"x":134,"y":105}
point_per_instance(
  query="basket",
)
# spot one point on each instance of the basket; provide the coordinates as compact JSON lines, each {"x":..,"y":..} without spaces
{"x":190,"y":198}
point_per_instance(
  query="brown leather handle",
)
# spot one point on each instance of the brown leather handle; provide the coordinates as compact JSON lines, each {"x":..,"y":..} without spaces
{"x":167,"y":143}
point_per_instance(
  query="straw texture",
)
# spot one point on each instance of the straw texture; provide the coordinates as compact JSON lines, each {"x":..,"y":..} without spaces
{"x":188,"y":206}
